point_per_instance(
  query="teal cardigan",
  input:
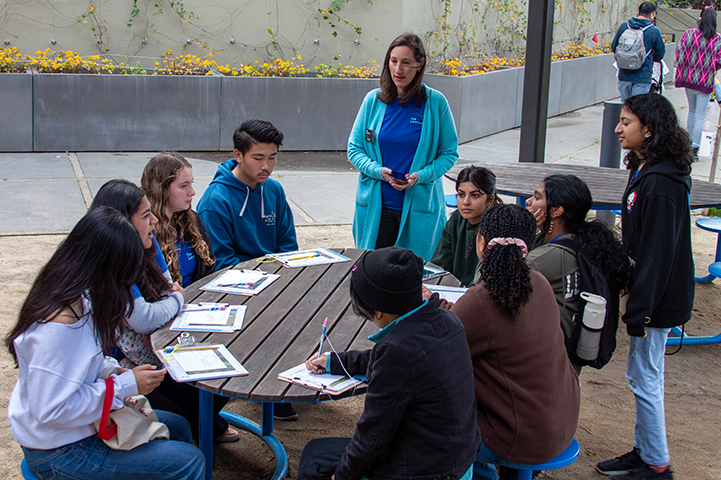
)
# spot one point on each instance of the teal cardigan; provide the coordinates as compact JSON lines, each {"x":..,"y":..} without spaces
{"x":424,"y":211}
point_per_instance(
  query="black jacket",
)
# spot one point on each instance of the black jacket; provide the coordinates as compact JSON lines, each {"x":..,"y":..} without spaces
{"x":419,"y":420}
{"x":656,"y":220}
{"x":201,"y":269}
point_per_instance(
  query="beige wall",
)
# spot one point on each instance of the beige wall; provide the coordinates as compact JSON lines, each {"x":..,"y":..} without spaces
{"x":32,"y":25}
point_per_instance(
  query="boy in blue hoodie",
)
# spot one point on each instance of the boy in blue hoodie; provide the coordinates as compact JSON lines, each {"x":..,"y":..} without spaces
{"x":244,"y":210}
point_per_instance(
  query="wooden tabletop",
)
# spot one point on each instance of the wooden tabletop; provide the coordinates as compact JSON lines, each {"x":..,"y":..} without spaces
{"x":606,"y":184}
{"x":282,"y":326}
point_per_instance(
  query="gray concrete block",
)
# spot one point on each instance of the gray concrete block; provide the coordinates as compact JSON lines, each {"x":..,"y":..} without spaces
{"x":119,"y":112}
{"x":16,"y":114}
{"x":578,"y":83}
{"x":312,"y":113}
{"x":35,"y":165}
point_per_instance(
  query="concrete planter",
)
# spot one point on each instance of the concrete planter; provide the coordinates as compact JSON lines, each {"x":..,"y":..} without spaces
{"x":312,"y":113}
{"x":119,"y":112}
{"x":52,"y":112}
{"x":16,"y":114}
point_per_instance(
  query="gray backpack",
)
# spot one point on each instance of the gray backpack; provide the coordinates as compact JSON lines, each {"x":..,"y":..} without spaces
{"x":631,"y":51}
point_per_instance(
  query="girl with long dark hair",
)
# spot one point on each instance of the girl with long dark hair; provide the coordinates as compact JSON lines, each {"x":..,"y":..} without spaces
{"x":698,"y":57}
{"x":168,"y":182}
{"x":656,"y":225}
{"x":560,"y":205}
{"x":456,"y":252}
{"x":527,"y":391}
{"x":61,"y":342}
{"x":403,"y":141}
{"x":156,"y":301}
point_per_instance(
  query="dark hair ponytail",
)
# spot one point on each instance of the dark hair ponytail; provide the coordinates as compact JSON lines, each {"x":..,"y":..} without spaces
{"x":503,"y":270}
{"x":598,"y":243}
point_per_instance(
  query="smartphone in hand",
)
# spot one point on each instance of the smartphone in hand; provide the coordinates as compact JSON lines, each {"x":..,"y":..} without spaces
{"x":399,"y":177}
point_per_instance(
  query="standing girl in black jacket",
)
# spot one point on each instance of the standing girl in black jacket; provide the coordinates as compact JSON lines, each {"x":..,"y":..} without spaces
{"x":656,"y":227}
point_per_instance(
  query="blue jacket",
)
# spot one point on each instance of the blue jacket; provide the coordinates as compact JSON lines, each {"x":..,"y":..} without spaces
{"x":654,"y":46}
{"x":424,"y":211}
{"x":243,"y":223}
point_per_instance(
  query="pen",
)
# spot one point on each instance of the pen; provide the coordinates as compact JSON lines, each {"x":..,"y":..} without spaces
{"x":194,"y":349}
{"x":212,"y":309}
{"x":322,"y":336}
{"x":302,"y":258}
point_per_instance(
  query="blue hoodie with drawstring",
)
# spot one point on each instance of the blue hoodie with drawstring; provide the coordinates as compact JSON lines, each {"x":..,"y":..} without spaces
{"x":245,"y":223}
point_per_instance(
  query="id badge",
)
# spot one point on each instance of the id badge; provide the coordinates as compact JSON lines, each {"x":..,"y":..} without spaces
{"x":370,"y":135}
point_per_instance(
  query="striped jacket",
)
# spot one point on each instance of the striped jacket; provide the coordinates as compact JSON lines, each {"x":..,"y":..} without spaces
{"x":697,"y":60}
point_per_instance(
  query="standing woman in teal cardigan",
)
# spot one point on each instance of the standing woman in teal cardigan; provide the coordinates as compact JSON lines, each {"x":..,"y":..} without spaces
{"x":403,"y":141}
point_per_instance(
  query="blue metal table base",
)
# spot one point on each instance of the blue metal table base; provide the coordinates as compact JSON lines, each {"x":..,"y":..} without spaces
{"x":690,"y":340}
{"x":265,"y":433}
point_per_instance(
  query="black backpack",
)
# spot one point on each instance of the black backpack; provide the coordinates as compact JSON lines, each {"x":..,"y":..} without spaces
{"x":593,"y":281}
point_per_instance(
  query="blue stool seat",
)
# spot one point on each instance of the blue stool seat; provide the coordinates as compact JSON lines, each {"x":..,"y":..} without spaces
{"x":711,"y":224}
{"x":566,"y":457}
{"x":451,"y":201}
{"x":25,"y":470}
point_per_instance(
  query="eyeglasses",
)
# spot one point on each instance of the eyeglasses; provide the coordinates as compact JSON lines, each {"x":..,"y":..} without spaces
{"x":403,"y":65}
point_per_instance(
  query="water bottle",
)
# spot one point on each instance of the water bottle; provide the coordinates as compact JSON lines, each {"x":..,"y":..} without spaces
{"x":594,"y":315}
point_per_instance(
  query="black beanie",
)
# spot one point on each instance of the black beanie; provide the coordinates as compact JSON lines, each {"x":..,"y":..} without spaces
{"x":389,"y":280}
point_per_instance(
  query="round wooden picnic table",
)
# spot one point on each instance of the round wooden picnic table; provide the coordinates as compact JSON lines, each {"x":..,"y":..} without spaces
{"x":281,"y":329}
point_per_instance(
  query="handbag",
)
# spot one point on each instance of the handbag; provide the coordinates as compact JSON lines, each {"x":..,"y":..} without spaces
{"x":133,"y":425}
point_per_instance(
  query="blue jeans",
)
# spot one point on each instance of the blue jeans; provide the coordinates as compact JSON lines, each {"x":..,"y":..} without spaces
{"x":644,"y":371}
{"x":90,"y":458}
{"x":629,"y":89}
{"x":697,"y":105}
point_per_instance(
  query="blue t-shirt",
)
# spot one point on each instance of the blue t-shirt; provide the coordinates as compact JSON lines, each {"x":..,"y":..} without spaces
{"x":159,"y":259}
{"x":398,"y":140}
{"x":186,"y":261}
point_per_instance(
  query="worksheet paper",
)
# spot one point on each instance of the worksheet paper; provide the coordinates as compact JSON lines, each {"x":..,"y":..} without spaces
{"x":241,"y":282}
{"x":200,"y":360}
{"x":452,"y":294}
{"x":210,"y":318}
{"x":333,"y":384}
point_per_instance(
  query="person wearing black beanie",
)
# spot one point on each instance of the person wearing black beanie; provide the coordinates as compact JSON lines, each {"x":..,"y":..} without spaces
{"x":420,"y":416}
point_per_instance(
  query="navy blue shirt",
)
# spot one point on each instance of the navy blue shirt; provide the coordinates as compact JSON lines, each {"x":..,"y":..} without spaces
{"x":398,"y":140}
{"x":186,"y":261}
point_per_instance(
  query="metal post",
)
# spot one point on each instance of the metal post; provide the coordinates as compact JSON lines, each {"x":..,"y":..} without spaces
{"x":610,"y":149}
{"x":537,"y":73}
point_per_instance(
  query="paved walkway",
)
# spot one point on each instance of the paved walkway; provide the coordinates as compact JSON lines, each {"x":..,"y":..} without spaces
{"x":49,"y":192}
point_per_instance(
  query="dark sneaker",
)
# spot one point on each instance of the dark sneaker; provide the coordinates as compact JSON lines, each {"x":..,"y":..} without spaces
{"x":620,"y":465}
{"x":646,"y":473}
{"x":284,"y":412}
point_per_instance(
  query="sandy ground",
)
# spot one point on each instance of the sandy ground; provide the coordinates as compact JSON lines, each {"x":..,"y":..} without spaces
{"x":693,"y":384}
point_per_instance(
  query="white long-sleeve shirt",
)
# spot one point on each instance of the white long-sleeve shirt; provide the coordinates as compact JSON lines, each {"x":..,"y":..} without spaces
{"x":59,"y":395}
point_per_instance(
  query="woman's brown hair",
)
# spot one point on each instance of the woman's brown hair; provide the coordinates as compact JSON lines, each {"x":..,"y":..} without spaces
{"x":415,"y":90}
{"x":159,"y":173}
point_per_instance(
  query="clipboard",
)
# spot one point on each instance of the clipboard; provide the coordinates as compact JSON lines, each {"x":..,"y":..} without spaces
{"x":307,"y":258}
{"x":241,"y":282}
{"x":323,"y":382}
{"x":209,"y":318}
{"x":200,"y":362}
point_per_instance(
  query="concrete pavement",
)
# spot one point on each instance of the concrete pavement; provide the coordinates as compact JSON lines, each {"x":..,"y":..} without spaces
{"x":48,"y":192}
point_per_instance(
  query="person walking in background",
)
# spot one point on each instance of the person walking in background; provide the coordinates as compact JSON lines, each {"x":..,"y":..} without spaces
{"x":656,"y":224}
{"x":698,"y":57}
{"x":403,"y":141}
{"x":634,"y":76}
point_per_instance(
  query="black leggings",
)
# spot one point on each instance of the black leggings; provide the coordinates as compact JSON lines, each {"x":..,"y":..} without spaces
{"x":184,"y":400}
{"x":388,"y":228}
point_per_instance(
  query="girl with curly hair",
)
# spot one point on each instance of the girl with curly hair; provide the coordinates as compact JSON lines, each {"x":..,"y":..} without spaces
{"x":527,"y":391}
{"x":560,"y":205}
{"x":656,"y":225}
{"x":168,"y":182}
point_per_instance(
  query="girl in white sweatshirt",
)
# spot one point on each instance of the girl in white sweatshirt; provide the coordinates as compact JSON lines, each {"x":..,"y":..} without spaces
{"x":60,"y":343}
